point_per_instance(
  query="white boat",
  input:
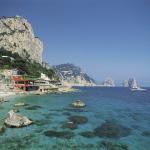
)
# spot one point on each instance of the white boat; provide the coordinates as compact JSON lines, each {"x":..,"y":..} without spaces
{"x":134,"y":87}
{"x":138,"y":89}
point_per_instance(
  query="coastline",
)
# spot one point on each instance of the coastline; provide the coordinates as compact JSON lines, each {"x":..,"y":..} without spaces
{"x":5,"y":95}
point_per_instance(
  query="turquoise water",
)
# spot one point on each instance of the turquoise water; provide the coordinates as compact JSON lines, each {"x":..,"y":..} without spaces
{"x":116,"y":105}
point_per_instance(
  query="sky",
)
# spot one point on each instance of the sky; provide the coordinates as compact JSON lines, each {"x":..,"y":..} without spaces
{"x":106,"y":38}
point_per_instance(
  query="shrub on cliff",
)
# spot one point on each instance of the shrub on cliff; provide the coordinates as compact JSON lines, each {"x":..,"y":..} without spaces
{"x":9,"y":60}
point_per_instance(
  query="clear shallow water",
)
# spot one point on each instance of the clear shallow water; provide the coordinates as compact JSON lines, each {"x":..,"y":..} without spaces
{"x":120,"y":105}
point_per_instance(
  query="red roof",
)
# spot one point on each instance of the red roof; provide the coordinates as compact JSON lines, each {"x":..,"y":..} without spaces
{"x":19,"y":78}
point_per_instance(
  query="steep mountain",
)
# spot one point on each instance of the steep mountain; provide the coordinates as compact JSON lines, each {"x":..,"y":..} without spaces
{"x":72,"y":75}
{"x":16,"y":35}
{"x":19,"y":48}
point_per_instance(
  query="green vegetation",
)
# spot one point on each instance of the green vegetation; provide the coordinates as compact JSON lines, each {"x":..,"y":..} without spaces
{"x":9,"y":60}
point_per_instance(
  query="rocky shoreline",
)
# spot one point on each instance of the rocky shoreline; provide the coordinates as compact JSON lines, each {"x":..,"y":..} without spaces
{"x":5,"y":95}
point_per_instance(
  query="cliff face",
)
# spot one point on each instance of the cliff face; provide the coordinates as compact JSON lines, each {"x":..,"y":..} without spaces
{"x":16,"y":35}
{"x":71,"y":75}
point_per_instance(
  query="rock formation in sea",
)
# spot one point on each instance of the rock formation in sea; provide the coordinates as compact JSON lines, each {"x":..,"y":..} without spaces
{"x":112,"y":129}
{"x":59,"y":134}
{"x":109,"y":82}
{"x":16,"y":120}
{"x":72,"y":75}
{"x":125,"y":83}
{"x":16,"y":35}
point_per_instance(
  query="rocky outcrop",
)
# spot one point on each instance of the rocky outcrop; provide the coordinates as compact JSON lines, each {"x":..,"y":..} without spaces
{"x":16,"y":35}
{"x":125,"y":83}
{"x":78,"y":104}
{"x":16,"y":120}
{"x":108,"y":83}
{"x":72,"y":75}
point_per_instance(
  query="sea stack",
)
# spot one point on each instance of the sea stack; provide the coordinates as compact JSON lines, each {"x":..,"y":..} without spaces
{"x":125,"y":83}
{"x":109,"y":82}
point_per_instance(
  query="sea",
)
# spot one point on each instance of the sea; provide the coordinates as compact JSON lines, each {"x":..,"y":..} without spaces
{"x":113,"y":119}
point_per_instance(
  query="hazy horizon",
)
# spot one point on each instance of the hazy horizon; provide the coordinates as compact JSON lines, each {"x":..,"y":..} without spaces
{"x":104,"y":38}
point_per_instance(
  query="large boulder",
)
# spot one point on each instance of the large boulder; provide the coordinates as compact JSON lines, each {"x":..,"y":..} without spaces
{"x":78,"y":104}
{"x":15,"y":120}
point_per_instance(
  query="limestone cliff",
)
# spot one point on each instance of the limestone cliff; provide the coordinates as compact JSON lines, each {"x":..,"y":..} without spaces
{"x":16,"y":35}
{"x":71,"y":75}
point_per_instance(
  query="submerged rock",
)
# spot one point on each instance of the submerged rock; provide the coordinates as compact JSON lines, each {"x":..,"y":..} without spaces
{"x":2,"y":129}
{"x":135,"y":126}
{"x":67,"y":113}
{"x":87,"y":134}
{"x":78,"y":104}
{"x":16,"y":120}
{"x":59,"y":134}
{"x":112,"y":129}
{"x":35,"y":107}
{"x":146,"y":133}
{"x":78,"y":119}
{"x":113,"y":146}
{"x":76,"y":109}
{"x":71,"y":125}
{"x":41,"y":122}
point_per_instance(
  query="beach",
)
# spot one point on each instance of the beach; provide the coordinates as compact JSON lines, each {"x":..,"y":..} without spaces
{"x":6,"y":94}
